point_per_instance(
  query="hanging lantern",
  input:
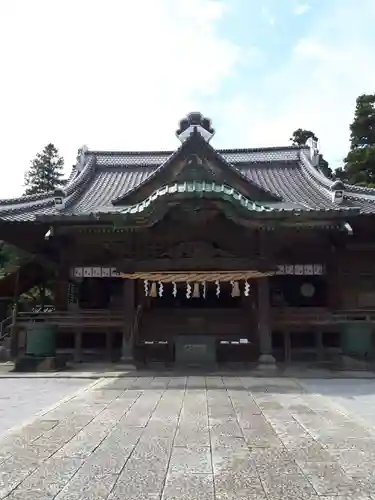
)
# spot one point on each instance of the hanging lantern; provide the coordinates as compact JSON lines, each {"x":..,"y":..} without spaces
{"x":217,"y":283}
{"x":235,"y":289}
{"x":188,"y":290}
{"x":174,"y":291}
{"x":153,"y":292}
{"x":204,"y":290}
{"x":161,"y":289}
{"x":247,"y":288}
{"x":196,"y":293}
{"x":145,"y":284}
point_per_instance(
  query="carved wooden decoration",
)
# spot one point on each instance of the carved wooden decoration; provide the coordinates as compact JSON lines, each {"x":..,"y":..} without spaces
{"x":195,"y":250}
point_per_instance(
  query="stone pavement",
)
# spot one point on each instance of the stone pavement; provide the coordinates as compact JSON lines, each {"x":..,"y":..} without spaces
{"x":22,"y":399}
{"x":196,"y":437}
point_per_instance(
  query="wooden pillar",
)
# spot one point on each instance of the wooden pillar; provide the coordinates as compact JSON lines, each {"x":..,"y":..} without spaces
{"x":287,"y":347}
{"x":108,"y":345}
{"x":14,"y":333}
{"x":78,"y":346}
{"x":264,"y":323}
{"x":319,"y":344}
{"x":62,"y":281}
{"x":129,"y":308}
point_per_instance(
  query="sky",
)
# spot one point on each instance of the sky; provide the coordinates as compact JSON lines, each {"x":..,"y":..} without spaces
{"x":120,"y":74}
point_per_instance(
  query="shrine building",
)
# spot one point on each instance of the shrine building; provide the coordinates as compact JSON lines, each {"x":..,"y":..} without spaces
{"x":199,"y":256}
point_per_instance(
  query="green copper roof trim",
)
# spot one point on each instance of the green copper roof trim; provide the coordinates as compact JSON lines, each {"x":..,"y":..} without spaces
{"x":197,"y":190}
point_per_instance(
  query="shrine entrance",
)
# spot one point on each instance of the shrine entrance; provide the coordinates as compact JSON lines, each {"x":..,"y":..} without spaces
{"x":197,"y":318}
{"x":195,"y":310}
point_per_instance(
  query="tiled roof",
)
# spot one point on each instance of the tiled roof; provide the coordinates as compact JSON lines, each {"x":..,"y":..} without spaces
{"x":286,"y":172}
{"x":211,"y":189}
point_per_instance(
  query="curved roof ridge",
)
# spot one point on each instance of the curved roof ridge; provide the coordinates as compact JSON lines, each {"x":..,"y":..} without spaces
{"x":190,"y":187}
{"x":351,"y":189}
{"x":73,"y":183}
{"x":259,"y":149}
{"x":21,"y":207}
{"x":25,"y":198}
{"x":82,"y":176}
{"x":318,"y":176}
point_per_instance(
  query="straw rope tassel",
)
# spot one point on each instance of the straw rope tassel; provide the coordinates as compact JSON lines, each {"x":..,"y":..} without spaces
{"x":153,"y":292}
{"x":235,"y":289}
{"x":196,"y":293}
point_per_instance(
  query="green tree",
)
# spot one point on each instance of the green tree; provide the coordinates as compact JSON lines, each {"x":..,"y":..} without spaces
{"x":300,"y":137}
{"x":10,"y":258}
{"x":46,"y":171}
{"x":359,"y":166}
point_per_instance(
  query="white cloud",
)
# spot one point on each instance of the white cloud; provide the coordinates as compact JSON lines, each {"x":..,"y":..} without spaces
{"x":316,"y":88}
{"x":301,"y":8}
{"x":117,"y":76}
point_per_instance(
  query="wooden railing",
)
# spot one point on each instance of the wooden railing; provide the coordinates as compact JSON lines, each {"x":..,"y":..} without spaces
{"x":75,"y":319}
{"x":320,"y":316}
{"x":5,"y":327}
{"x":189,"y":320}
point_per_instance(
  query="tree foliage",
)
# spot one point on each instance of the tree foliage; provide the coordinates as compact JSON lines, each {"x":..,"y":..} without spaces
{"x":46,"y":172}
{"x":359,"y":167}
{"x":10,"y":257}
{"x":300,"y":137}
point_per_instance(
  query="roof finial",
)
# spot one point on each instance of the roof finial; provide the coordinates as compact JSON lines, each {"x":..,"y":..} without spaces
{"x":195,"y":123}
{"x":81,"y":157}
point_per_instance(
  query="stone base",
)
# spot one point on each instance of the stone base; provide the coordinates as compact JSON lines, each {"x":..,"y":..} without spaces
{"x":39,"y":364}
{"x":4,"y":354}
{"x":351,"y":363}
{"x":266,"y":362}
{"x":126,"y":363}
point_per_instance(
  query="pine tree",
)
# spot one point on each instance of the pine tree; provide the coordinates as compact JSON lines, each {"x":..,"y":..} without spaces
{"x":46,"y":171}
{"x":359,"y":167}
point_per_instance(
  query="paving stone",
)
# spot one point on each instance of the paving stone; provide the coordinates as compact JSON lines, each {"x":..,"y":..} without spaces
{"x":85,"y":442}
{"x":177,"y":383}
{"x":151,"y":454}
{"x":256,"y":422}
{"x":122,"y":438}
{"x":238,"y":485}
{"x":233,"y":442}
{"x":225,"y":460}
{"x":267,"y":439}
{"x":47,"y":480}
{"x":229,"y":428}
{"x":329,"y":479}
{"x":192,"y":436}
{"x":309,"y":451}
{"x":139,"y":484}
{"x":287,"y":486}
{"x":192,"y":486}
{"x":86,"y":486}
{"x":13,"y":471}
{"x":366,"y":445}
{"x":141,"y":412}
{"x":191,"y":460}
